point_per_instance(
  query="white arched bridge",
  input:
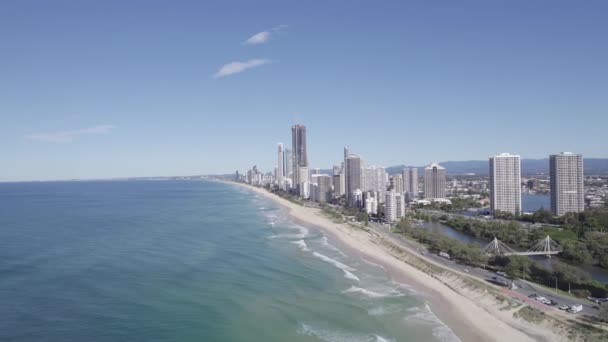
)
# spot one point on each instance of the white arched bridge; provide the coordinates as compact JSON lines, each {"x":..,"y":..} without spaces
{"x":545,"y":246}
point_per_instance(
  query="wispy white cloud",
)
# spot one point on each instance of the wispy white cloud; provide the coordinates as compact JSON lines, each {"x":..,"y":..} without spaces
{"x":264,"y":36}
{"x":258,"y":38}
{"x":236,"y":67}
{"x":67,"y":136}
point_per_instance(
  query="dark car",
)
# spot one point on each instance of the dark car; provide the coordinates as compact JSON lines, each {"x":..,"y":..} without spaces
{"x":532,"y":295}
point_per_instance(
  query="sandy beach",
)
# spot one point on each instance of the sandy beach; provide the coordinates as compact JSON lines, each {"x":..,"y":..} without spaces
{"x":472,"y":315}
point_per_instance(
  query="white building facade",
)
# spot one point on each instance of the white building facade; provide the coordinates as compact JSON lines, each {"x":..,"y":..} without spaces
{"x":567,"y":188}
{"x":505,"y":184}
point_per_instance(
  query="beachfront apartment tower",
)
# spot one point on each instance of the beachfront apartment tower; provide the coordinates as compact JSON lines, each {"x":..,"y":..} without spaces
{"x":344,"y":173}
{"x":394,"y":206}
{"x":354,"y":177}
{"x":410,"y":182}
{"x":280,"y":166}
{"x":288,"y":162}
{"x":434,"y":181}
{"x":300,"y":157}
{"x":375,"y":180}
{"x":323,"y":190}
{"x":567,"y":190}
{"x":396,"y":183}
{"x":505,"y":184}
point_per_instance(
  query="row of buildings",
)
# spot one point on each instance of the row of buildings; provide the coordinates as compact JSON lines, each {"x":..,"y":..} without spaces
{"x":371,"y":187}
{"x":565,"y":178}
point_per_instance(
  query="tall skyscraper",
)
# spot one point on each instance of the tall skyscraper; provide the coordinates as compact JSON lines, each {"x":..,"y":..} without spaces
{"x":410,"y":182}
{"x":394,"y":206}
{"x":300,"y":157}
{"x":304,"y":182}
{"x":375,"y":180}
{"x":345,"y":174}
{"x":323,"y":191}
{"x":434,"y":181}
{"x":505,"y":184}
{"x":288,"y":161}
{"x":397,"y":183}
{"x":354,"y":176}
{"x":280,"y":165}
{"x":338,"y":182}
{"x":567,"y":190}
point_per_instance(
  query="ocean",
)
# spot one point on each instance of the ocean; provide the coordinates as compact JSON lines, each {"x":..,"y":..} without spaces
{"x":187,"y":261}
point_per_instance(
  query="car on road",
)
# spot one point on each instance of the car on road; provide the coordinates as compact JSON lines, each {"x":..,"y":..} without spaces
{"x":597,"y":300}
{"x":533,"y":296}
{"x":564,"y":307}
{"x":502,"y":274}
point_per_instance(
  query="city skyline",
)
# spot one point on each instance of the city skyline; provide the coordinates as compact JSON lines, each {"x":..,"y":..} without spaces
{"x":176,"y":90}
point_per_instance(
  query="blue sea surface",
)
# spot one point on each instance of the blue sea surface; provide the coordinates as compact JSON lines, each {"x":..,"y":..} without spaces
{"x":186,"y":261}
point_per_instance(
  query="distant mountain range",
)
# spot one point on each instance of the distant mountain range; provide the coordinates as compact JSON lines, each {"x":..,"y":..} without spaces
{"x":592,"y":166}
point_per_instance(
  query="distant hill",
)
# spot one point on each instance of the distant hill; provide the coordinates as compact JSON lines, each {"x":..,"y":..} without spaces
{"x":593,"y":166}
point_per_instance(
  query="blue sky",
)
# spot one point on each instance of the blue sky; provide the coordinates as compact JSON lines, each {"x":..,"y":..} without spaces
{"x":97,"y":89}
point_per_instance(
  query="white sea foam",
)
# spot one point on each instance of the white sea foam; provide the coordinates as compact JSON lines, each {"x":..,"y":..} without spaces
{"x":372,"y":293}
{"x":444,"y":333}
{"x":300,"y":243}
{"x":333,"y":262}
{"x":349,"y":275}
{"x":422,"y":315}
{"x":335,"y":335}
{"x":372,"y":263}
{"x":303,"y":233}
{"x":326,"y":243}
{"x":406,"y":287}
{"x":426,"y":316}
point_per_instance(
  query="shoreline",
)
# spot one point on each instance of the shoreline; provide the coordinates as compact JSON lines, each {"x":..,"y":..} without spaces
{"x":462,"y":312}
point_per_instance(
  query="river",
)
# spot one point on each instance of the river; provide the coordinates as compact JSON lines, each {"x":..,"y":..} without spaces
{"x":534,"y":202}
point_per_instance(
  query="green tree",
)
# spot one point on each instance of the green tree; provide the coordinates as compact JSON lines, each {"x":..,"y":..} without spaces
{"x":576,"y":252}
{"x":404,"y":226}
{"x":603,"y":261}
{"x":518,"y":265}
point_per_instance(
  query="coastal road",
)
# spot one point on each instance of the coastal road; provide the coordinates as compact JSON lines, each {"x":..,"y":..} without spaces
{"x":525,"y":288}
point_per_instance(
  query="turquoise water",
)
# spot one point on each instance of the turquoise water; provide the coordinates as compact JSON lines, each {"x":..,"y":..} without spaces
{"x":186,"y":261}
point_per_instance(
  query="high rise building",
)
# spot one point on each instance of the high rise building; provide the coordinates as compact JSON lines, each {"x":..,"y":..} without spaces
{"x":304,"y":182}
{"x":410,"y":182}
{"x":323,"y":191}
{"x":375,"y":180}
{"x":300,"y":157}
{"x":288,"y":161}
{"x":567,"y":190}
{"x":280,"y":166}
{"x":371,"y":205}
{"x":338,"y":183}
{"x":400,"y":207}
{"x":505,"y":184}
{"x":394,"y":206}
{"x":396,"y":183}
{"x":434,"y":181}
{"x":345,"y":175}
{"x":336,"y":170}
{"x":357,"y":199}
{"x":354,"y":177}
